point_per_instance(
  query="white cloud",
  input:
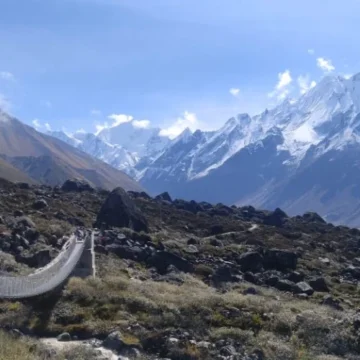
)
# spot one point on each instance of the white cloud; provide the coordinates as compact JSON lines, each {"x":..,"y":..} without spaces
{"x":325,"y":64}
{"x":6,"y":75}
{"x":119,"y":119}
{"x":36,"y":123}
{"x":305,"y":84}
{"x":234,"y":91}
{"x":284,"y":80}
{"x":311,"y":51}
{"x":347,"y":76}
{"x":39,"y":126}
{"x":142,"y":124}
{"x":101,"y":127}
{"x":187,"y":120}
{"x":282,"y":90}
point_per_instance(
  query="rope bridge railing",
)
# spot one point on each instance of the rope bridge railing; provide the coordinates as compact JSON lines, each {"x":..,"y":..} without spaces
{"x":47,"y":278}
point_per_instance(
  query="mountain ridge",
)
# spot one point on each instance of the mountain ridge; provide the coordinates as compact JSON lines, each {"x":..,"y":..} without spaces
{"x":49,"y":160}
{"x":251,"y":158}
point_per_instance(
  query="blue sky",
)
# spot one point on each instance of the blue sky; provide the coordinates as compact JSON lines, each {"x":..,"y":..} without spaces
{"x":81,"y":63}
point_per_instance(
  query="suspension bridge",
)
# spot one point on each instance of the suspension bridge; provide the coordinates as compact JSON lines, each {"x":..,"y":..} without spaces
{"x":75,"y":259}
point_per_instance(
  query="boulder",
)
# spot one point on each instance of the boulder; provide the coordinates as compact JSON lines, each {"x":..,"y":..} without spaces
{"x":216,"y":229}
{"x":328,"y":300}
{"x":319,"y":284}
{"x":250,"y":261}
{"x":114,"y":341}
{"x":313,"y":217}
{"x":223,"y":274}
{"x":119,"y":210}
{"x":162,"y":259}
{"x":352,"y":271}
{"x":295,"y":276}
{"x":18,"y":213}
{"x":76,"y":185}
{"x":40,"y":204}
{"x":64,"y":337}
{"x":276,"y":218}
{"x":164,"y":197}
{"x":303,"y":288}
{"x":285,"y":285}
{"x":37,"y":260}
{"x":280,"y":259}
{"x":24,"y":221}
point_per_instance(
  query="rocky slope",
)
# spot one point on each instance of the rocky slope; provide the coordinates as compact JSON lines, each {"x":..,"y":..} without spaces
{"x":51,"y":161}
{"x":201,"y":281}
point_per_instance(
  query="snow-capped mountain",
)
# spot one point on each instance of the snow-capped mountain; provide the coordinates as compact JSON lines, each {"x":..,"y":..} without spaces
{"x":137,"y":143}
{"x":260,"y":160}
{"x":139,"y":140}
{"x":301,"y":155}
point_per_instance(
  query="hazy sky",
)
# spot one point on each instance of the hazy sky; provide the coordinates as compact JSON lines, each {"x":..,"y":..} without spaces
{"x":176,"y":63}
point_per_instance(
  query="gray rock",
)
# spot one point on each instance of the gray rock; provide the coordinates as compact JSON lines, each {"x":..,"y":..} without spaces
{"x":64,"y":337}
{"x":318,"y":284}
{"x":164,"y":196}
{"x":325,"y":261}
{"x":114,"y":341}
{"x":285,"y":285}
{"x":76,"y":185}
{"x":303,"y":288}
{"x":130,"y":352}
{"x":162,"y":259}
{"x":228,"y":350}
{"x":192,"y":249}
{"x":40,"y":204}
{"x":250,"y":261}
{"x":119,"y":210}
{"x":25,"y":222}
{"x":39,"y":259}
{"x":281,"y":260}
{"x":330,"y":301}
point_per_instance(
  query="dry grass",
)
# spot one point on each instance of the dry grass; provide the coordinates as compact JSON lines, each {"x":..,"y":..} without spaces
{"x":12,"y":348}
{"x":272,"y":321}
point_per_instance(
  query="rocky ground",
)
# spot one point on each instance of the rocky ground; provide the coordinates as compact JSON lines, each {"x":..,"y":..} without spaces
{"x":181,"y":280}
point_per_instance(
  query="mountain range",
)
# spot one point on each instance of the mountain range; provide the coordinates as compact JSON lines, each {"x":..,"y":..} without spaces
{"x":301,"y":155}
{"x":30,"y":156}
